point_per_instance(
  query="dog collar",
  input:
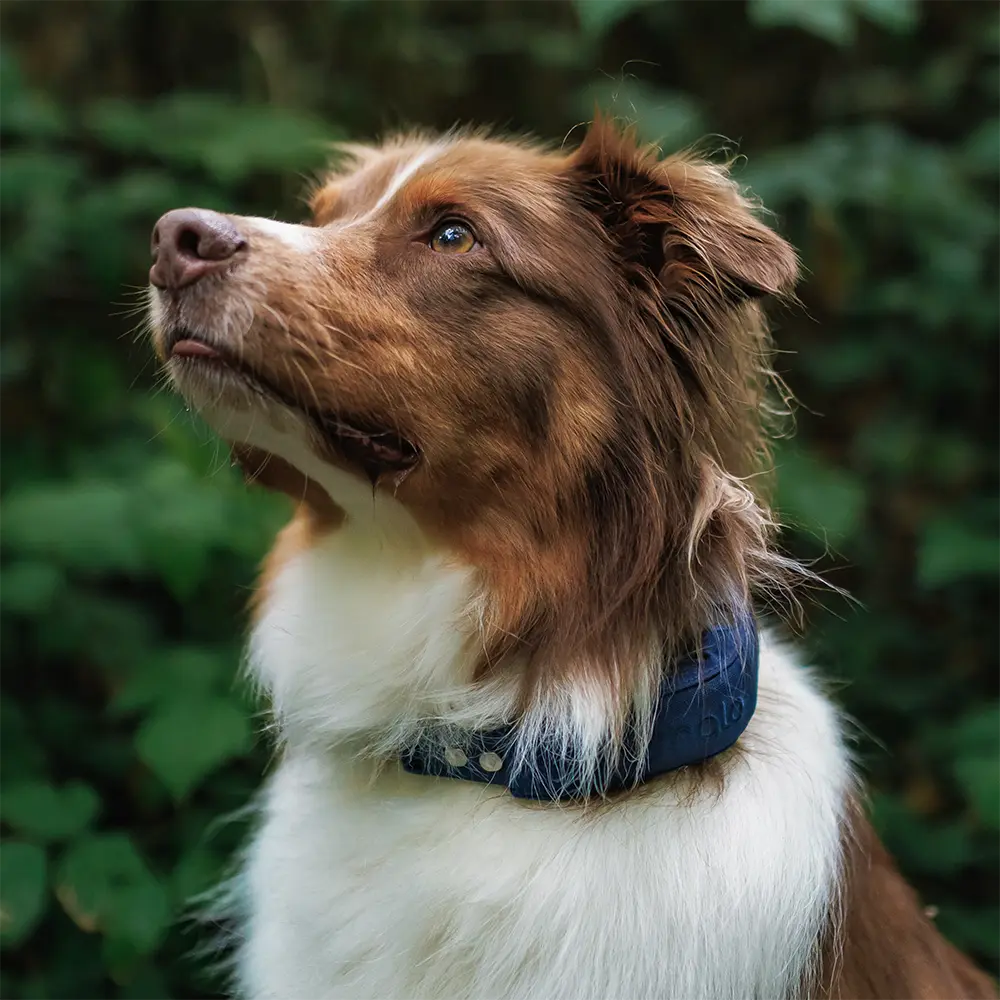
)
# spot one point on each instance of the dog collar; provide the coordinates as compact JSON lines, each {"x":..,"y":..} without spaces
{"x":704,"y":705}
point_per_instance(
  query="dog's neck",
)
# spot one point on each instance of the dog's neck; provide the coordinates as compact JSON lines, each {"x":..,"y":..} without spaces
{"x":706,"y":699}
{"x":370,"y":638}
{"x":362,"y":633}
{"x":361,"y":644}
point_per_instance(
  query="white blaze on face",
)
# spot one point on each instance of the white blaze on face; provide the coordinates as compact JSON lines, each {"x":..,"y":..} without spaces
{"x":307,"y":239}
{"x":301,"y":238}
{"x":404,"y":173}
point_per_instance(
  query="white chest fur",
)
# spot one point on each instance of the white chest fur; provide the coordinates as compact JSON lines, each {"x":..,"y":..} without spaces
{"x":399,"y":886}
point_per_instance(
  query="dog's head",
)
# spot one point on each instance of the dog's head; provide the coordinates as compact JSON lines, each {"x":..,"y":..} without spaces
{"x":553,"y":362}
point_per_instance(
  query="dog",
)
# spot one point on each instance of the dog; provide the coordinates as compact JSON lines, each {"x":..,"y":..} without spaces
{"x":532,"y":741}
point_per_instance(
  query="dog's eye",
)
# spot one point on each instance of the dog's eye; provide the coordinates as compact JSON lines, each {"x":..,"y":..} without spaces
{"x":453,"y":237}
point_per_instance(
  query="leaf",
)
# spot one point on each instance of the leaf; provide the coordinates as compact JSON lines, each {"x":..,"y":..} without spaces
{"x":25,"y":112}
{"x":47,"y":813}
{"x":184,"y":742}
{"x":975,"y":753}
{"x":22,"y":890}
{"x":981,"y":150}
{"x":972,"y":928}
{"x":227,"y":139}
{"x":108,"y":630}
{"x":921,"y":845}
{"x":832,"y":20}
{"x":146,"y":983}
{"x":28,"y":587}
{"x":21,"y":753}
{"x":105,"y":887}
{"x":84,"y":525}
{"x":899,"y":16}
{"x":952,"y":550}
{"x":980,"y":780}
{"x":978,"y":731}
{"x":188,"y":672}
{"x":197,"y":871}
{"x":182,"y":518}
{"x":818,"y":496}
{"x":597,"y":16}
{"x":659,"y":115}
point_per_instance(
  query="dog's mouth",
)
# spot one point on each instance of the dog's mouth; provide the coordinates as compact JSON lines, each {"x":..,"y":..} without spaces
{"x":375,"y":451}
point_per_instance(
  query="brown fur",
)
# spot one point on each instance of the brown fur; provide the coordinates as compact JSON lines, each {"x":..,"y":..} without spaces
{"x":586,"y":389}
{"x":586,"y":430}
{"x":886,"y":947}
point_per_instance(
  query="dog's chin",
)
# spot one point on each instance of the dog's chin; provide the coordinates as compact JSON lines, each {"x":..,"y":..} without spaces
{"x":220,"y":393}
{"x":243,"y":405}
{"x":275,"y":446}
{"x":240,"y":410}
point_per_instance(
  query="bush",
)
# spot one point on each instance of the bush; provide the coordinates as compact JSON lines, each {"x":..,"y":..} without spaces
{"x":128,"y":544}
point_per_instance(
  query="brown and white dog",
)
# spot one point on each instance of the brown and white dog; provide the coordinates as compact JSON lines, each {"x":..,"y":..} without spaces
{"x":517,"y":395}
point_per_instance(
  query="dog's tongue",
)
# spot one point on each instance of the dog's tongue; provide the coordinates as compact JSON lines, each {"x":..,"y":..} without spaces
{"x":193,"y":349}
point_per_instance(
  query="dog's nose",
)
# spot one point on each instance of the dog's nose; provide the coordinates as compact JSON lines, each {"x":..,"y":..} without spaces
{"x":189,"y":243}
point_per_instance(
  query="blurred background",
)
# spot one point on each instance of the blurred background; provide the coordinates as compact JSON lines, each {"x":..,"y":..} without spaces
{"x":129,"y":545}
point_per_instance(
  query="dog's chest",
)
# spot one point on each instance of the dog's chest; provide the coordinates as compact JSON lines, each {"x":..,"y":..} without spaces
{"x":421,"y":887}
{"x":410,"y":887}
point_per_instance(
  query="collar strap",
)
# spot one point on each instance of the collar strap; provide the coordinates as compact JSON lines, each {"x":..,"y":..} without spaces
{"x":704,"y":705}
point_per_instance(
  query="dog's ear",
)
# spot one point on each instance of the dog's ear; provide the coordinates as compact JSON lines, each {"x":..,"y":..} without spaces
{"x":681,"y":219}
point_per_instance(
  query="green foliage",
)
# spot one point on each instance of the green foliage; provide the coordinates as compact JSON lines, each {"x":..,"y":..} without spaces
{"x":104,"y":885}
{"x":39,"y":810}
{"x":834,"y":20}
{"x":225,"y":139}
{"x":814,"y":494}
{"x":223,"y":733}
{"x":22,"y":889}
{"x":829,"y":19}
{"x":128,"y":544}
{"x":598,"y":16}
{"x":670,"y":119}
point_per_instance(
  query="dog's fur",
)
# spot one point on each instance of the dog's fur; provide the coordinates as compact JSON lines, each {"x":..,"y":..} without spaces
{"x":586,"y":388}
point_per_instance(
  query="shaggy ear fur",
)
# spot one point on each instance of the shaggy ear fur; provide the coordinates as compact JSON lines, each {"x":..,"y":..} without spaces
{"x":680,"y":219}
{"x":677,"y":538}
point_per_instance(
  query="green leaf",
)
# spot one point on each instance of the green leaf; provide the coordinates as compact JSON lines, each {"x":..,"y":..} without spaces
{"x":21,"y":753}
{"x":183,"y":742}
{"x":952,"y":550}
{"x":34,"y":115}
{"x":28,"y":587}
{"x":597,"y":16}
{"x":182,"y":518}
{"x":188,"y":672}
{"x":227,"y":139}
{"x":920,"y":845}
{"x":84,"y":525}
{"x":659,"y":115}
{"x":974,"y":749}
{"x":972,"y":928}
{"x":899,"y":16}
{"x":25,"y":112}
{"x":147,"y":982}
{"x":105,"y":886}
{"x":978,"y":731}
{"x":47,"y":813}
{"x":22,"y":890}
{"x":979,"y":778}
{"x":197,"y":871}
{"x":981,"y":150}
{"x":818,"y":496}
{"x":832,"y":20}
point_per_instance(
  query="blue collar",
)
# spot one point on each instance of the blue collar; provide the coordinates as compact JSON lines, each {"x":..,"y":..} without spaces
{"x":705,"y":704}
